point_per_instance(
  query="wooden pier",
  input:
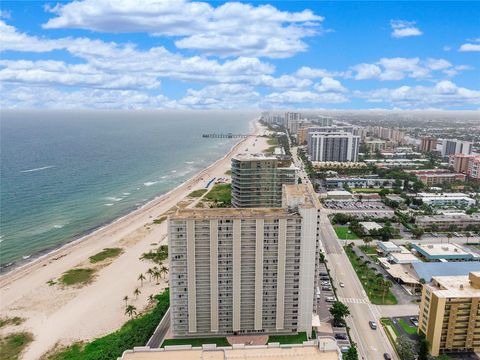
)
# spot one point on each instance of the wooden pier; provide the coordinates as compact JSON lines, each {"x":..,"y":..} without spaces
{"x":225,"y":136}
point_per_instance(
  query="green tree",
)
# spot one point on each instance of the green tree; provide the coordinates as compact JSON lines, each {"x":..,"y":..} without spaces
{"x":339,"y":310}
{"x":423,"y":348}
{"x":150,"y":274}
{"x":405,"y":347}
{"x":351,"y":354}
{"x":163,"y":270}
{"x":131,"y":311}
{"x":418,"y":232}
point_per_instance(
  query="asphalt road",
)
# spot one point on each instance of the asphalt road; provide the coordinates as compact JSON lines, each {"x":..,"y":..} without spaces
{"x":160,"y":332}
{"x":371,"y":344}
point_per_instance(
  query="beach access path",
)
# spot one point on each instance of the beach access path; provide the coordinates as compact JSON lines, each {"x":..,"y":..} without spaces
{"x":58,"y":315}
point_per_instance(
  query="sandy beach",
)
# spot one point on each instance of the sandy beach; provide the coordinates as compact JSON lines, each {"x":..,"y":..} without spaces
{"x":59,"y":315}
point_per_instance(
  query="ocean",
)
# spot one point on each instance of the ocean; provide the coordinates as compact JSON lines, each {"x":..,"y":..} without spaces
{"x":67,"y":173}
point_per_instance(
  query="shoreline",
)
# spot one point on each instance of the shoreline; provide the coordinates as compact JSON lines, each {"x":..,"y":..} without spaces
{"x":47,"y":254}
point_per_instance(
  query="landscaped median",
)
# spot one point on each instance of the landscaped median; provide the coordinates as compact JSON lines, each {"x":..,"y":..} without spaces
{"x":375,"y":285}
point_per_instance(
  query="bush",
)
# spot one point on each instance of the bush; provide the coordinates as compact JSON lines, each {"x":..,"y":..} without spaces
{"x":221,"y":195}
{"x":157,"y":256}
{"x":77,"y":276}
{"x":135,"y":332}
{"x":105,"y":254}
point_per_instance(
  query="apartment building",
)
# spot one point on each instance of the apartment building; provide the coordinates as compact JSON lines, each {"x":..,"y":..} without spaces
{"x":375,"y":145}
{"x":435,"y":177}
{"x":446,"y":199}
{"x":292,"y":121}
{"x":474,"y":168}
{"x":353,"y":182}
{"x":333,"y":146}
{"x":450,"y":314}
{"x":244,"y":271}
{"x":257,"y":180}
{"x":442,"y":222}
{"x":428,"y":144}
{"x":460,"y":162}
{"x":454,"y":146}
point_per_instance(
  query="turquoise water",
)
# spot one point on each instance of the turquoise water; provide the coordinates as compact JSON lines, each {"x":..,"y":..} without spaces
{"x":66,"y":173}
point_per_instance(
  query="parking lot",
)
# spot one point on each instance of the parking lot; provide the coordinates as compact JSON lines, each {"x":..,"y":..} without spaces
{"x":355,"y":205}
{"x":325,"y":298}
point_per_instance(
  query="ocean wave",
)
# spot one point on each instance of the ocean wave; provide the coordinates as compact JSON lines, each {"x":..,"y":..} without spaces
{"x":112,"y":198}
{"x":109,"y":204}
{"x":126,"y":193}
{"x":174,"y":171}
{"x":163,"y":177}
{"x":150,"y":183}
{"x":58,"y":226}
{"x":38,"y":169}
{"x":26,"y":257}
{"x":189,"y":162}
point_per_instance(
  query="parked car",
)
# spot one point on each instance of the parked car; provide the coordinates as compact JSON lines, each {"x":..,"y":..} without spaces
{"x":341,"y":336}
{"x":344,"y":349}
{"x":414,"y":321}
{"x":373,"y":325}
{"x":330,"y":299}
{"x":387,"y":356}
{"x":326,"y":288}
{"x":341,"y":284}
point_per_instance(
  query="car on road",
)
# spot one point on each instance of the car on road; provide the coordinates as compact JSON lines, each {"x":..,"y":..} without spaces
{"x":341,"y":284}
{"x":373,"y":325}
{"x":387,"y":356}
{"x":341,"y":336}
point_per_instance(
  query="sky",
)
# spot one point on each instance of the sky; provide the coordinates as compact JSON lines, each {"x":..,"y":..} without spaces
{"x":141,"y":54}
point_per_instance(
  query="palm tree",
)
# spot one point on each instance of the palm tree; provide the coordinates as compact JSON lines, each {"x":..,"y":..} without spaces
{"x":136,"y":293}
{"x":449,"y":236}
{"x":125,"y":298}
{"x":151,"y":298}
{"x":156,"y":275}
{"x":150,"y":273}
{"x":131,"y":311}
{"x":163,"y":270}
{"x":141,"y":277}
{"x":467,"y":235}
{"x":387,"y":284}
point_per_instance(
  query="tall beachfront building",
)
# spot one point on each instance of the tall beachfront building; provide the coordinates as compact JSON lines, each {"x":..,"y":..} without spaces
{"x":333,"y":146}
{"x":453,"y":146}
{"x":244,"y":271}
{"x":257,"y":180}
{"x":450,"y":313}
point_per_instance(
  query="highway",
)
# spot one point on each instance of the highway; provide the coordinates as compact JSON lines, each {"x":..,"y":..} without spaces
{"x":371,"y":344}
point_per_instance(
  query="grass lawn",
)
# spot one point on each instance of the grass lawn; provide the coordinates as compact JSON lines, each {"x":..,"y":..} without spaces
{"x":369,"y":280}
{"x":389,"y":322}
{"x":288,"y":339}
{"x":196,"y":342}
{"x":197,"y":193}
{"x":11,"y":346}
{"x":409,"y":329}
{"x":220,"y":194}
{"x":367,"y":190}
{"x":272,"y":141}
{"x":342,"y":233}
{"x":368,"y":249}
{"x":77,"y":277}
{"x":105,"y":254}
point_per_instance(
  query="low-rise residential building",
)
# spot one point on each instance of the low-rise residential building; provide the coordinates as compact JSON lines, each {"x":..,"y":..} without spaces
{"x":356,"y":182}
{"x":446,"y":199}
{"x":388,"y":247}
{"x":445,"y":252}
{"x":449,"y":313}
{"x":368,"y":226}
{"x":375,"y":145}
{"x":436,"y":177}
{"x":443,"y":222}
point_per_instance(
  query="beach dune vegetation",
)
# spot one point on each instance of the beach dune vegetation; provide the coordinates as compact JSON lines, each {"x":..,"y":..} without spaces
{"x":77,"y":277}
{"x":197,"y":193}
{"x":157,"y":255}
{"x":106,"y":254}
{"x":12,"y":345}
{"x":220,"y":195}
{"x":134,"y":332}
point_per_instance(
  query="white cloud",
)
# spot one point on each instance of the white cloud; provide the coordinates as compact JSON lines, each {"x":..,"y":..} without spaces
{"x":28,"y":97}
{"x":467,"y":47}
{"x":313,"y":73}
{"x":225,"y":96}
{"x":327,"y":84}
{"x":399,"y":68}
{"x":229,"y":29}
{"x":284,"y":82}
{"x":284,"y":99}
{"x":403,"y":28}
{"x":443,"y":94}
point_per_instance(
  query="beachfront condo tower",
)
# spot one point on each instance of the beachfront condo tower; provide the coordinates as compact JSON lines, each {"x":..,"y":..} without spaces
{"x":244,"y":271}
{"x":257,"y":180}
{"x":333,"y":146}
{"x":450,"y":313}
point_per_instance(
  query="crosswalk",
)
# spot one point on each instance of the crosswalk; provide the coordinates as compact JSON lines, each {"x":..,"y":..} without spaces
{"x":353,"y":300}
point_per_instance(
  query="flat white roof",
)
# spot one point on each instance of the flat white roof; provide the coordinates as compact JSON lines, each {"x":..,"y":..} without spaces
{"x":442,"y":249}
{"x":339,"y":192}
{"x":370,"y":225}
